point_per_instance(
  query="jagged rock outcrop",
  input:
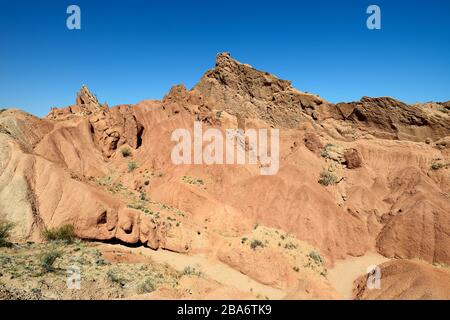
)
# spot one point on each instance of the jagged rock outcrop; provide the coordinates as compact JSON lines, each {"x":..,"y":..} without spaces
{"x":110,"y":128}
{"x":85,"y":104}
{"x":245,"y":92}
{"x":386,"y":117}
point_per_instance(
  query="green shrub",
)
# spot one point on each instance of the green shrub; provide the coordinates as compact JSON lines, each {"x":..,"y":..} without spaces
{"x":115,"y":278}
{"x":101,"y":262}
{"x":324,"y":153}
{"x":64,"y":233}
{"x":125,"y":152}
{"x":316,"y":257}
{"x":5,"y":232}
{"x":437,"y":166}
{"x":147,"y":286}
{"x":47,"y":260}
{"x":256,"y":243}
{"x":132,"y":166}
{"x":327,"y":178}
{"x":192,"y":180}
{"x":192,"y":271}
{"x":290,"y":246}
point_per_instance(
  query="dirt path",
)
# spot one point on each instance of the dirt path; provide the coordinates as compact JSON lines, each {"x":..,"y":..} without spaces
{"x":345,"y":272}
{"x":212,"y":269}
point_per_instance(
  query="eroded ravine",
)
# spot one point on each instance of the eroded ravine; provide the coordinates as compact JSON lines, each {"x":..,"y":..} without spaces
{"x":212,"y":269}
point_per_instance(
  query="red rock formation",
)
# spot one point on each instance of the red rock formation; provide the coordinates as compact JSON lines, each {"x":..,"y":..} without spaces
{"x":406,"y":280}
{"x":53,"y":171}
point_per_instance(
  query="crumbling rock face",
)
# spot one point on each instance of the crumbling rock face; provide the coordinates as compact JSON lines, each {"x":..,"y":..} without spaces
{"x":386,"y":117}
{"x":313,"y":143}
{"x":242,"y":90}
{"x":110,"y":128}
{"x":25,"y":129}
{"x":37,"y":193}
{"x":418,"y":223}
{"x":406,"y":280}
{"x":352,"y":158}
{"x":115,"y":127}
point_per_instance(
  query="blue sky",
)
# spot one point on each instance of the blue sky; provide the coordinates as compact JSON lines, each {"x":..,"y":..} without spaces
{"x":132,"y":50}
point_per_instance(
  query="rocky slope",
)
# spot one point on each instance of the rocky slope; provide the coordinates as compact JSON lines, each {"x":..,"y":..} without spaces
{"x":108,"y":172}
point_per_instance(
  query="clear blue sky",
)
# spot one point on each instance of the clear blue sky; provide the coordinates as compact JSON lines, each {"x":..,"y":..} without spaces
{"x":128,"y":51}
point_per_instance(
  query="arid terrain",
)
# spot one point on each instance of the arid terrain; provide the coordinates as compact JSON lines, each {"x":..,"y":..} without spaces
{"x":359,"y":183}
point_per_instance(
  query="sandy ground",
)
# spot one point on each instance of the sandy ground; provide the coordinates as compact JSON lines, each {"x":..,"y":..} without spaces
{"x":345,"y":272}
{"x":341,"y":277}
{"x":212,"y":269}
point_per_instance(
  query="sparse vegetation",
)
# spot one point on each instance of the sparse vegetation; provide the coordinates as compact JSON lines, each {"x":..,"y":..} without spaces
{"x":316,"y":257}
{"x":256,"y":243}
{"x":327,"y":178}
{"x":101,"y":262}
{"x":64,"y":233}
{"x":47,"y":259}
{"x":439,"y":165}
{"x":30,"y":265}
{"x":192,"y":271}
{"x":5,"y":232}
{"x":436,"y":166}
{"x":140,"y":207}
{"x":290,"y":246}
{"x":192,"y":180}
{"x":132,"y":166}
{"x":125,"y":152}
{"x":114,"y":277}
{"x":108,"y":182}
{"x":147,"y":286}
{"x":325,"y":152}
